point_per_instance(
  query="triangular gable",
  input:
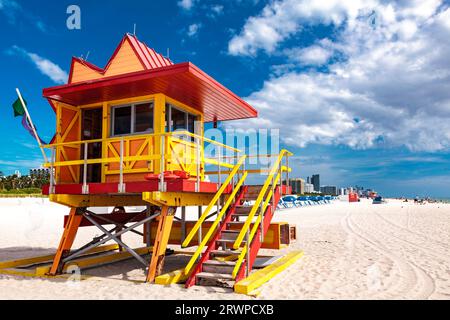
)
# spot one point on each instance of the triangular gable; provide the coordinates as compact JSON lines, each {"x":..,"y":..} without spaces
{"x":130,"y":56}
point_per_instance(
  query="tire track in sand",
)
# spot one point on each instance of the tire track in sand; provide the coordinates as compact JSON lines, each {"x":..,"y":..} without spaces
{"x":444,"y":246}
{"x":397,"y":231}
{"x":395,"y":239}
{"x":414,"y":282}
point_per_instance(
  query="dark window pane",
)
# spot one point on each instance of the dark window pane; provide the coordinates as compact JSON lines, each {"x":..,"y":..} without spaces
{"x":178,"y":120}
{"x":144,"y":118}
{"x":122,"y":120}
{"x":191,"y":123}
{"x":167,"y":117}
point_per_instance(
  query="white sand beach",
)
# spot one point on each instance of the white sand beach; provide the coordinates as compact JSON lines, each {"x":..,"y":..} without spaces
{"x":352,"y":251}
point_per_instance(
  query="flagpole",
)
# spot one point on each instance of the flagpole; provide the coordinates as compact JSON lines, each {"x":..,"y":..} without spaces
{"x":32,"y":125}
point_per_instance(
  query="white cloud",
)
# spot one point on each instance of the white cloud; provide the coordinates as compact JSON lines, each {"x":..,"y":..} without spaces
{"x":218,"y":8}
{"x":9,"y":8}
{"x":281,"y":19}
{"x":45,"y":66}
{"x":193,"y":29}
{"x":186,"y":4}
{"x":215,"y":10}
{"x":389,"y":87}
{"x":313,"y":55}
{"x":14,"y":11}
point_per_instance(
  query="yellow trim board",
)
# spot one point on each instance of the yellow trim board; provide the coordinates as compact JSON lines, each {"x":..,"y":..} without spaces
{"x":258,"y":278}
{"x":173,"y":277}
{"x":30,"y":274}
{"x":90,"y":262}
{"x":41,"y":259}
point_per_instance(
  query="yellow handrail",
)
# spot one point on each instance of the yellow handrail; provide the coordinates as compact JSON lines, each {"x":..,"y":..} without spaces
{"x":214,"y":225}
{"x":217,"y":163}
{"x":140,"y":136}
{"x":254,"y":229}
{"x":71,"y":163}
{"x":148,"y":138}
{"x":266,"y":185}
{"x":213,"y":202}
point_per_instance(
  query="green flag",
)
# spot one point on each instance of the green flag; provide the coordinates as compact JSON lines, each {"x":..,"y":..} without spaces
{"x":18,"y":108}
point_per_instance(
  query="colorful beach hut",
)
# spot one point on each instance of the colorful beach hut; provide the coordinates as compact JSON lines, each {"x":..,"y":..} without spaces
{"x":132,"y":134}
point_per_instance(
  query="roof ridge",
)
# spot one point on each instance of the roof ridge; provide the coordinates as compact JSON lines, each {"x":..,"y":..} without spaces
{"x":148,"y":57}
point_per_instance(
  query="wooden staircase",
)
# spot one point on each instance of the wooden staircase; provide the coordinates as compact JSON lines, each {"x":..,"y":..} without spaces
{"x":219,"y":265}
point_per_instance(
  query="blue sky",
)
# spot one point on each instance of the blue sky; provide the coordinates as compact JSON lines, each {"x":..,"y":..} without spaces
{"x":359,"y":89}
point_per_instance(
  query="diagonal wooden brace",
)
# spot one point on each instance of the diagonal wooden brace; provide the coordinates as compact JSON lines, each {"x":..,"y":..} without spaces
{"x":160,"y":245}
{"x":67,"y":239}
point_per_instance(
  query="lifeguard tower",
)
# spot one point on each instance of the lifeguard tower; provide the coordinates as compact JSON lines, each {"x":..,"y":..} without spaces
{"x":132,"y":134}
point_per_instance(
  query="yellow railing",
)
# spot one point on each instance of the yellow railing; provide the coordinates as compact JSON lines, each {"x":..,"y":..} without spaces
{"x":214,"y":200}
{"x":213,"y":227}
{"x":176,"y":151}
{"x":274,"y":176}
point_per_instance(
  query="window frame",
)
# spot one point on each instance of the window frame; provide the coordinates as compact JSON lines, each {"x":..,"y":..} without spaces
{"x":133,"y":118}
{"x":169,"y":125}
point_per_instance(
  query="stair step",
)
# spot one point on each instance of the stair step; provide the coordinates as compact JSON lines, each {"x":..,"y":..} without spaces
{"x":240,"y":209}
{"x":244,"y":214}
{"x":222,"y":267}
{"x":214,"y":279}
{"x":235,"y":223}
{"x":253,"y":189}
{"x":230,"y":234}
{"x":228,"y":240}
{"x":224,"y":253}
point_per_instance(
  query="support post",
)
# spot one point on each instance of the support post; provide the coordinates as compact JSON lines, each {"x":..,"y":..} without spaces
{"x":197,"y":145}
{"x":160,"y":246}
{"x":67,"y":239}
{"x":287,"y":174}
{"x":183,"y":224}
{"x":200,"y":237}
{"x":219,"y":160}
{"x":121,"y":183}
{"x":52,"y":172}
{"x":262,"y":221}
{"x":274,"y":205}
{"x":247,"y":244}
{"x":280,"y":169}
{"x":85,"y":167}
{"x":148,"y":226}
{"x":162,"y":164}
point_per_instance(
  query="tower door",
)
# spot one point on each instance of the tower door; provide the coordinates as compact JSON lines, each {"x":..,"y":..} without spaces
{"x":91,"y":130}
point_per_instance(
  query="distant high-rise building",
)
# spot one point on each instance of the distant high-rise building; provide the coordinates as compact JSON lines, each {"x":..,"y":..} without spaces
{"x":298,"y":186}
{"x":315,"y":181}
{"x":308,"y":180}
{"x":329,"y":190}
{"x":309,"y":188}
{"x":17,"y":173}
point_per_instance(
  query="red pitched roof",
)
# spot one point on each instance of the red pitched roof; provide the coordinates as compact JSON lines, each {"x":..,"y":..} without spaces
{"x":184,"y":82}
{"x":148,"y":57}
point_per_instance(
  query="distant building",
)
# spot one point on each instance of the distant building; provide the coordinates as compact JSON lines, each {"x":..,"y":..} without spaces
{"x":329,"y":190}
{"x":309,"y":188}
{"x":342,"y":191}
{"x":17,"y":173}
{"x":298,"y":186}
{"x":315,"y":181}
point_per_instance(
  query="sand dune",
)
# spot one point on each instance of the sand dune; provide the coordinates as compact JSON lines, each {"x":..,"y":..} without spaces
{"x":352,"y":251}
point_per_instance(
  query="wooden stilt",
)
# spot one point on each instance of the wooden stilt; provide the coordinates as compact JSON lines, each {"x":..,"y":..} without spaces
{"x":160,"y":246}
{"x":67,"y":239}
